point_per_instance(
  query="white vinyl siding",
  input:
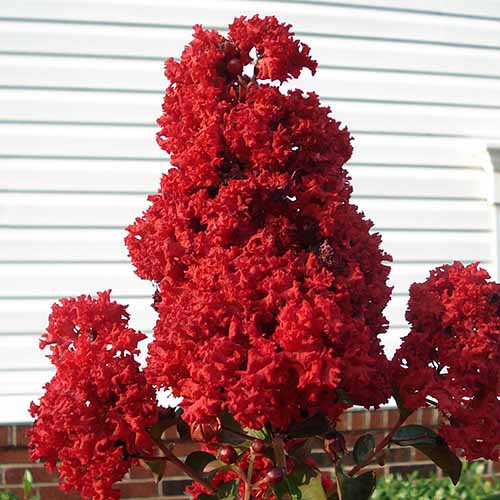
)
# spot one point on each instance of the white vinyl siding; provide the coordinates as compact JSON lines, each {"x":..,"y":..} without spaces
{"x":81,"y":85}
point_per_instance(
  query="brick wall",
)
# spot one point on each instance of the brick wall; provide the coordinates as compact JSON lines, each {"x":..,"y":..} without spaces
{"x":140,"y":485}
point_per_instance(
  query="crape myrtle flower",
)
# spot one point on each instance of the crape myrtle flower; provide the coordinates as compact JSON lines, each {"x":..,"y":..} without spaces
{"x":96,"y":411}
{"x":451,"y":357}
{"x":270,"y":282}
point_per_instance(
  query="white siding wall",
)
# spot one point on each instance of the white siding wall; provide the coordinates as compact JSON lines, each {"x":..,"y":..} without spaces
{"x":81,"y":84}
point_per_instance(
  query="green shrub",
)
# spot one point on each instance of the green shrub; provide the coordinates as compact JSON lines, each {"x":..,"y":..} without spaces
{"x":472,"y":486}
{"x":27,"y":490}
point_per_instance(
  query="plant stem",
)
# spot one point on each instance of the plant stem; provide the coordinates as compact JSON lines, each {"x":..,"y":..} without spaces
{"x":248,"y":482}
{"x":184,"y":468}
{"x":280,"y":460}
{"x":379,"y":447}
{"x":337,"y":481}
{"x":238,"y":433}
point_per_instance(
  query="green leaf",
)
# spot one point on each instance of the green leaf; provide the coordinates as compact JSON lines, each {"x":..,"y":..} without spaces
{"x":229,"y":424}
{"x":214,"y":465}
{"x":206,"y":496}
{"x":7,"y":495}
{"x":157,"y":468}
{"x":433,"y":446}
{"x":443,"y":457}
{"x":303,"y":449}
{"x":409,"y":435}
{"x":183,"y":430}
{"x":356,"y":488}
{"x":27,"y":482}
{"x":304,"y":483}
{"x":316,"y":425}
{"x":198,"y":460}
{"x":313,"y":490}
{"x":493,"y":497}
{"x":363,"y":447}
{"x":229,"y":490}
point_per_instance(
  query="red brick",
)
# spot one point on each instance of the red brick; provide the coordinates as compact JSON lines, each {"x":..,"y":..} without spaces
{"x":418,"y":456}
{"x":392,"y":417}
{"x":4,"y":436}
{"x":21,"y":438}
{"x":377,"y":419}
{"x":49,"y":493}
{"x":412,"y":419}
{"x":138,"y":489}
{"x":428,"y":416}
{"x":343,"y":424}
{"x":54,"y":493}
{"x":358,"y":420}
{"x":11,"y":454}
{"x":14,"y":475}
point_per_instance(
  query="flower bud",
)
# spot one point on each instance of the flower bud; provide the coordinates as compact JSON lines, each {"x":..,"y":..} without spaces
{"x":276,"y":475}
{"x":259,"y":446}
{"x":205,"y":432}
{"x":228,"y":454}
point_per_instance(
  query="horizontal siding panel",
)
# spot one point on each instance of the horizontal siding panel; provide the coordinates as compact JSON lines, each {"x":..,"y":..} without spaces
{"x":316,"y":18}
{"x":140,"y":142}
{"x":29,"y":315}
{"x":25,"y":382}
{"x":437,"y":247}
{"x":88,"y":245}
{"x":15,"y":408}
{"x":22,"y":353}
{"x":392,"y":340}
{"x":27,"y":209}
{"x":58,"y":280}
{"x":83,"y":175}
{"x":454,"y":7}
{"x":129,"y":109}
{"x":428,"y":214}
{"x":142,"y":177}
{"x":70,"y":279}
{"x":395,"y":311}
{"x":66,"y":209}
{"x":417,"y":182}
{"x":147,"y":75}
{"x":81,"y":73}
{"x":159,"y":43}
{"x":81,"y":140}
{"x":41,"y":244}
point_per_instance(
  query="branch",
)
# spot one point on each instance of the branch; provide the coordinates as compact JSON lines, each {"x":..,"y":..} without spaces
{"x":280,"y":460}
{"x":184,"y":468}
{"x":379,"y":447}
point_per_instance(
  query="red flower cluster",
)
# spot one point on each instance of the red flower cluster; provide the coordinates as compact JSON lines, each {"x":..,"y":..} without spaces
{"x":98,"y":406}
{"x":452,"y":355}
{"x":271,"y":287}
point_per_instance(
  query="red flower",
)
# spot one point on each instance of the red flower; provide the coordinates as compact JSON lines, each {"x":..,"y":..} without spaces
{"x":270,"y":285}
{"x":94,"y":415}
{"x":452,"y":355}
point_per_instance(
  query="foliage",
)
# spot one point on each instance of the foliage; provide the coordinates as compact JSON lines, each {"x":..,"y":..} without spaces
{"x":472,"y":486}
{"x":27,"y":490}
